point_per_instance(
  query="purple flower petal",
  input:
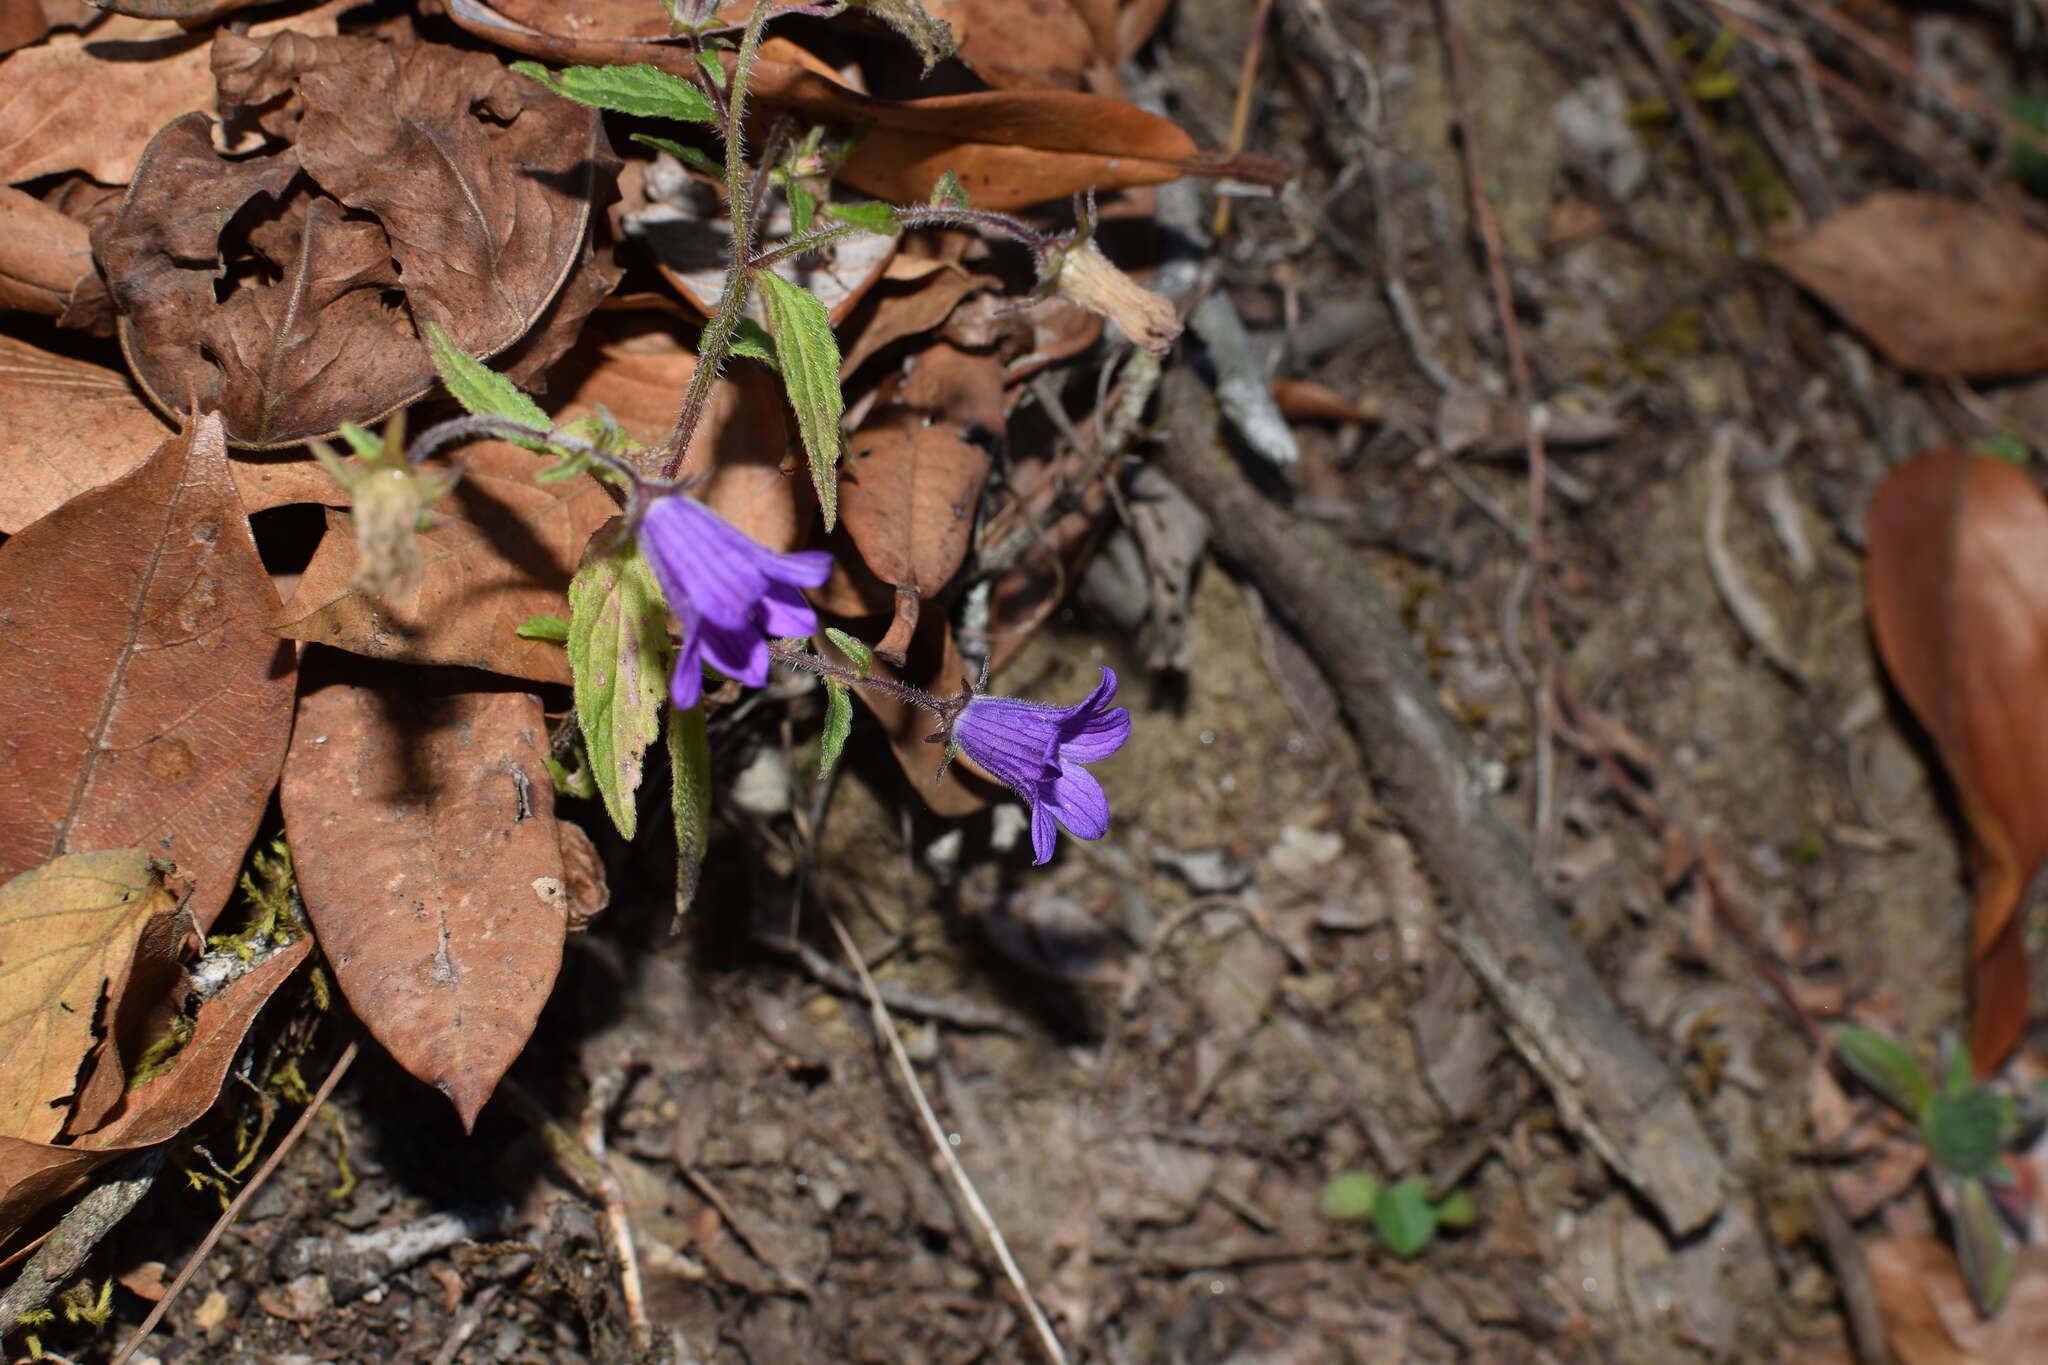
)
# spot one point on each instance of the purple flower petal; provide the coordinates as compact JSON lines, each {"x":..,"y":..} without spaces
{"x":1097,"y":737}
{"x":785,"y":613}
{"x":1078,"y":803}
{"x":686,"y":684}
{"x":1043,"y":835}
{"x":739,"y":652}
{"x":1037,"y":751}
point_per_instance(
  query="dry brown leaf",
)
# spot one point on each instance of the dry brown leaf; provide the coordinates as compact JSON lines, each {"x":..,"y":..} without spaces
{"x":908,"y":493}
{"x":691,"y":252}
{"x":43,"y":255}
{"x":895,"y":309}
{"x":334,"y":251}
{"x":1931,"y":1319}
{"x":152,"y":704}
{"x":422,"y":825}
{"x":1021,"y":44}
{"x":1026,"y":339}
{"x":34,"y":1176}
{"x":1303,"y":400}
{"x":502,"y":549}
{"x":1940,"y":286}
{"x":70,"y":933}
{"x":1958,"y":584}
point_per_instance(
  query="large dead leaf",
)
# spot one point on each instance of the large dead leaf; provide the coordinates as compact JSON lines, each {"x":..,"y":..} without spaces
{"x":91,"y":102}
{"x":1930,"y":1318}
{"x":1940,"y":286}
{"x":904,"y":307}
{"x":1958,"y":582}
{"x":288,"y":288}
{"x":908,"y":494}
{"x":70,"y":931}
{"x":1040,"y":44}
{"x":502,"y":549}
{"x":422,"y":825}
{"x":152,"y":705}
{"x":1010,"y":148}
{"x":43,"y":255}
{"x":35,"y":1176}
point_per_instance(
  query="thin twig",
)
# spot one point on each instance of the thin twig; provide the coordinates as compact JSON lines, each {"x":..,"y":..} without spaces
{"x":227,"y":1218}
{"x":604,"y":1090}
{"x":80,"y":1230}
{"x":1655,"y":40}
{"x":886,"y":1026}
{"x":1241,"y":112}
{"x":1543,"y":818}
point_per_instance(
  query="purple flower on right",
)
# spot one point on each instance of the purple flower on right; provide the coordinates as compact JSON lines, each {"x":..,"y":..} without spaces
{"x":1037,"y":751}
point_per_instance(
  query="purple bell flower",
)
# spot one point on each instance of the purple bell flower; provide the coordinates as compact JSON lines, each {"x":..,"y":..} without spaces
{"x":730,"y":594}
{"x":1037,"y":751}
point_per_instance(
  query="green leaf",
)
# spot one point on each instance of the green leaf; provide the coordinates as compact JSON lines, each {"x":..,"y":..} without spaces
{"x":1350,"y":1196}
{"x":949,"y":193}
{"x":683,"y":152}
{"x":838,"y":724}
{"x":1885,"y":1067}
{"x":482,"y":391}
{"x":575,"y":781}
{"x":1986,"y":1258}
{"x":1966,"y":1130}
{"x":544,"y":628}
{"x":810,"y":372}
{"x":2004,"y":445}
{"x":368,"y":444}
{"x":2029,"y":163}
{"x":856,"y":650}
{"x":803,"y":207}
{"x":1403,"y":1217}
{"x":618,"y":660}
{"x":1457,"y":1210}
{"x":873,"y":215}
{"x":933,"y":38}
{"x":713,"y":68}
{"x":689,"y":759}
{"x":636,"y":89}
{"x":751,"y":339}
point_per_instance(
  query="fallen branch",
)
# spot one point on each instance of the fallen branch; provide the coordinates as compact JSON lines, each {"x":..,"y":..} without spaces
{"x":1608,"y":1085}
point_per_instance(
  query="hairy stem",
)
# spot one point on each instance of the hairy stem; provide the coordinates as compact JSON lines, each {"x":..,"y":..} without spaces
{"x":718,"y":336}
{"x":824,"y":668}
{"x":797,"y":246}
{"x":443,"y":434}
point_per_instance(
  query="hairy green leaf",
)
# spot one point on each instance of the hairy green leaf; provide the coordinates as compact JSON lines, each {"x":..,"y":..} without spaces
{"x":636,"y":89}
{"x":683,"y":152}
{"x":713,"y":68}
{"x":1403,"y":1217}
{"x":933,"y":38}
{"x":949,"y":193}
{"x":838,"y":724}
{"x":873,"y":215}
{"x":803,"y":207}
{"x":810,"y":372}
{"x":544,"y":628}
{"x":689,"y":759}
{"x":1986,"y":1258}
{"x":481,"y":390}
{"x":618,"y":658}
{"x":1966,"y":1130}
{"x":751,"y":339}
{"x":1350,"y":1196}
{"x":856,"y":650}
{"x":1885,"y":1067}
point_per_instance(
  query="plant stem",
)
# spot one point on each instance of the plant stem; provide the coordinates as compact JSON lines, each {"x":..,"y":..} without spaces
{"x":456,"y":429}
{"x":811,"y":663}
{"x":718,"y":336}
{"x":797,"y":246}
{"x":981,"y":220}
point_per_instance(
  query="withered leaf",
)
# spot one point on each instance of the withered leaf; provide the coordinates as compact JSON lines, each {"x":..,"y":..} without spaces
{"x":1940,"y":286}
{"x":43,"y":254}
{"x":157,"y":705}
{"x":421,"y":184}
{"x":70,"y":930}
{"x":35,"y":1176}
{"x":691,"y":251}
{"x":422,"y":825}
{"x":896,"y":309}
{"x":1930,"y":1318}
{"x":908,"y":493}
{"x":1958,"y":584}
{"x":502,"y":549}
{"x":65,"y":426}
{"x":1033,"y":46}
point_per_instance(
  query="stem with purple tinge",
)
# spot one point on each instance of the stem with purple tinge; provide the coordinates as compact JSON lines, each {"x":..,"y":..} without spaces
{"x":945,"y":708}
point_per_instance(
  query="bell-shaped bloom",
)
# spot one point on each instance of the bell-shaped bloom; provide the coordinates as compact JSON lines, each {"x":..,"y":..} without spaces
{"x":1037,"y":751}
{"x":731,"y":595}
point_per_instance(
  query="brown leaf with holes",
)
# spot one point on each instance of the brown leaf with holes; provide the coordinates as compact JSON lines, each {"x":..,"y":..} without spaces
{"x":1940,"y":286}
{"x":1930,"y":1318}
{"x":422,"y":825}
{"x":1958,"y":583}
{"x":43,"y":255}
{"x":288,"y":288}
{"x":152,"y":704}
{"x":502,"y":549}
{"x":71,"y":931}
{"x":908,"y":494}
{"x":36,"y":1177}
{"x":1010,"y":148}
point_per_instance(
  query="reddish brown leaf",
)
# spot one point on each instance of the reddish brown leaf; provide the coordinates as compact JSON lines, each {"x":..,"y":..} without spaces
{"x":1939,"y":286}
{"x":1930,"y":1318}
{"x":898,"y":308}
{"x":35,"y":1177}
{"x":43,"y":255}
{"x":158,"y":705}
{"x":317,"y":243}
{"x":1958,"y":583}
{"x":908,"y":494}
{"x":422,"y":825}
{"x":1303,"y":400}
{"x":1025,"y":339}
{"x":1021,"y":44}
{"x":502,"y":549}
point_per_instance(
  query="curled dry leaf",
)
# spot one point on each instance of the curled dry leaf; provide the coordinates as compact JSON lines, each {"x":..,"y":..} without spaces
{"x":502,"y":549}
{"x":1958,"y":582}
{"x":422,"y":825}
{"x":153,"y":704}
{"x":1930,"y":1318}
{"x":35,"y":1176}
{"x":43,"y":255}
{"x":334,"y":249}
{"x":899,"y":308}
{"x":71,"y":931}
{"x":1940,"y":286}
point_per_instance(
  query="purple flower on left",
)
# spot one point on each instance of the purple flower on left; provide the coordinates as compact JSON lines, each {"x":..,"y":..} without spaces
{"x":731,"y":595}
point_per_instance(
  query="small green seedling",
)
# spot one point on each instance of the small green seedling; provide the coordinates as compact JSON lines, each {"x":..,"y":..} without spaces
{"x":1401,"y":1214}
{"x":1966,"y":1127}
